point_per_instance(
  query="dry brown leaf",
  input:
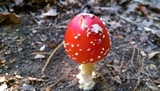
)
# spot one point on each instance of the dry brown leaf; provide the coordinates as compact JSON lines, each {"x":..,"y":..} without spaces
{"x":3,"y":61}
{"x":120,"y":36}
{"x":142,"y":9}
{"x":7,"y":18}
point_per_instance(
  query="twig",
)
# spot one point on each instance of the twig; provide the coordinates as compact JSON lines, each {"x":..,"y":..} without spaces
{"x":148,"y":75}
{"x":138,"y":82}
{"x":142,"y":64}
{"x":138,"y":55}
{"x":49,"y":58}
{"x":139,"y":58}
{"x":42,"y":53}
{"x":121,"y":64}
{"x":133,"y":55}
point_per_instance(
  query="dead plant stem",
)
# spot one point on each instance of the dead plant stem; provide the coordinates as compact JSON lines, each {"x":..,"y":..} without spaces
{"x":132,"y":58}
{"x":49,"y":58}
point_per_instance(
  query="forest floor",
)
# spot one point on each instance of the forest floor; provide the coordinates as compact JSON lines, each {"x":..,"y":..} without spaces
{"x":31,"y":31}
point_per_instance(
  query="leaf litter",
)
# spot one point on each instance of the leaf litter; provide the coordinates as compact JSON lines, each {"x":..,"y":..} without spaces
{"x":131,"y":65}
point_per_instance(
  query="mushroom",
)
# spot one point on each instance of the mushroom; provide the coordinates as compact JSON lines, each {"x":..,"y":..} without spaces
{"x":86,"y":42}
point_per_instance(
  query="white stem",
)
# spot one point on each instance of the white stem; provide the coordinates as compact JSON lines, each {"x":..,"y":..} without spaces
{"x":86,"y":76}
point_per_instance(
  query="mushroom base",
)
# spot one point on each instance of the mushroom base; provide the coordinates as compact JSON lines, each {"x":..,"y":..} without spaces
{"x":86,"y":76}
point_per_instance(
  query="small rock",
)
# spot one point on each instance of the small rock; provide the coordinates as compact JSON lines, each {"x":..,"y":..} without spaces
{"x":39,"y":56}
{"x":43,"y":48}
{"x":1,"y":71}
{"x":27,"y":87}
{"x":143,"y":53}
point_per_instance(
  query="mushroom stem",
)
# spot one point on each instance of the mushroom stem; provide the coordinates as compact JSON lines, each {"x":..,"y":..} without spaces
{"x":86,"y":76}
{"x":87,"y":68}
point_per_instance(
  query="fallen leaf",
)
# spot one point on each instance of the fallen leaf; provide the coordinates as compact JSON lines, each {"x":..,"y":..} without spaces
{"x":3,"y":61}
{"x":18,"y":77}
{"x":43,"y":48}
{"x":154,"y":4}
{"x":152,"y":54}
{"x":50,"y":13}
{"x":3,"y":87}
{"x":39,"y":56}
{"x":142,"y":9}
{"x":120,"y":36}
{"x":8,"y":18}
{"x":2,"y":79}
{"x":143,"y":53}
{"x":35,"y":79}
{"x":151,"y":69}
{"x":144,"y":37}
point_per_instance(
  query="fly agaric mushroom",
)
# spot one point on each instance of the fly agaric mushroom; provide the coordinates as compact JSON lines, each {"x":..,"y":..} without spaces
{"x":86,"y":42}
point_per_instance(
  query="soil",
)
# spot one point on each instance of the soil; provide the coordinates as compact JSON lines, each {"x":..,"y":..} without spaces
{"x":126,"y":68}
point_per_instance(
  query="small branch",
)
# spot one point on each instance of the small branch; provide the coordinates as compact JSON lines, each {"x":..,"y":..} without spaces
{"x":49,"y":58}
{"x":145,"y":73}
{"x":138,"y":55}
{"x":138,"y":82}
{"x":133,"y":55}
{"x":121,"y":63}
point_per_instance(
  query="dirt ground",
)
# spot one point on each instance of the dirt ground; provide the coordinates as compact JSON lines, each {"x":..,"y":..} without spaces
{"x":25,"y":47}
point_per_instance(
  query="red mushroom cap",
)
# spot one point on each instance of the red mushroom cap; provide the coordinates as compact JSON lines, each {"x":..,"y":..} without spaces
{"x":86,"y":39}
